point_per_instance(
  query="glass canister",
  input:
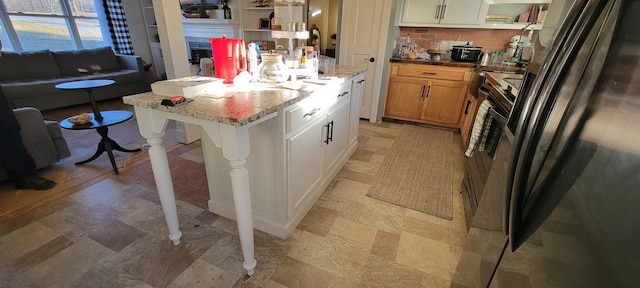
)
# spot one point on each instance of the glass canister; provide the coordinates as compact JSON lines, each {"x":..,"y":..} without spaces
{"x":272,"y":69}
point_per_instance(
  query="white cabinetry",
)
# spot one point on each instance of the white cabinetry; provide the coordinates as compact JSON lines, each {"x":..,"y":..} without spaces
{"x":464,"y":13}
{"x":336,"y":135}
{"x":439,"y":12}
{"x":294,"y":156}
{"x":357,"y":86}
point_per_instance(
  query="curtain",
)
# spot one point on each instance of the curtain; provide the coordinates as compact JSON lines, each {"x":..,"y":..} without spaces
{"x":118,"y":28}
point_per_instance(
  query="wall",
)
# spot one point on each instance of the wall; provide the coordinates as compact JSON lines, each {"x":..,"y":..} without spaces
{"x":488,"y":39}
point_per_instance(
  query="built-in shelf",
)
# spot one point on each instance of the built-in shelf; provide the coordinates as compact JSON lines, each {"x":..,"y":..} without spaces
{"x":256,"y":30}
{"x":290,"y":34}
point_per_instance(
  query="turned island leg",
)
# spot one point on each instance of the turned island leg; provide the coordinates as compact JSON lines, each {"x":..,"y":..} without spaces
{"x":162,"y":175}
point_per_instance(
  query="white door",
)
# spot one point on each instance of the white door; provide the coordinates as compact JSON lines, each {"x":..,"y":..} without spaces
{"x":360,"y":34}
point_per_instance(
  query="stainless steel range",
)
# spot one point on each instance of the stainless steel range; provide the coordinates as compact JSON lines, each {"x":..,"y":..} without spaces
{"x":500,"y":90}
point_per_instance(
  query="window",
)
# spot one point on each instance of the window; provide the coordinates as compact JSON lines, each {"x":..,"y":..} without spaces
{"x":28,"y":25}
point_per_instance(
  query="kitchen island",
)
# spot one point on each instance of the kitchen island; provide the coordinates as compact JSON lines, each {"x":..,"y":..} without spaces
{"x":286,"y":144}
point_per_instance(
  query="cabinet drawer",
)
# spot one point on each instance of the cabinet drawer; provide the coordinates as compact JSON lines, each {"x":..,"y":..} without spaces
{"x":303,"y":113}
{"x":430,"y":71}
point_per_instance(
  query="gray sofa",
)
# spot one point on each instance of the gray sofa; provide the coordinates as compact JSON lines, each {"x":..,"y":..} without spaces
{"x":42,"y":138}
{"x":28,"y":79}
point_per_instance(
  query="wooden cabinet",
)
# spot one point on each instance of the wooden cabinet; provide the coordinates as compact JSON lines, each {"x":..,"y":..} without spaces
{"x":436,"y":12}
{"x":427,"y":93}
{"x":443,"y":101}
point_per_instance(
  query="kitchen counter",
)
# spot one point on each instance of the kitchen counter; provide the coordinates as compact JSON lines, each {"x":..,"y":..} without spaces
{"x":240,"y":107}
{"x":282,"y":128}
{"x":452,"y":63}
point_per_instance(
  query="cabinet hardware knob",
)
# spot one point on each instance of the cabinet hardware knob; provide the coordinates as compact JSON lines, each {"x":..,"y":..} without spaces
{"x":370,"y":59}
{"x":311,"y":112}
{"x":422,"y":92}
{"x":428,"y":91}
{"x":438,"y":12}
{"x":342,"y":94}
{"x":429,"y":73}
{"x":466,"y":110}
{"x":360,"y":82}
{"x":444,"y":8}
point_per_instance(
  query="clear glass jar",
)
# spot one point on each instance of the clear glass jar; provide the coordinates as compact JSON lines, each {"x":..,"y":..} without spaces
{"x":272,"y":69}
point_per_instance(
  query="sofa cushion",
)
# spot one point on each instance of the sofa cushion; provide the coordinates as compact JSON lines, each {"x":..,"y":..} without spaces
{"x":27,"y":65}
{"x":86,"y":61}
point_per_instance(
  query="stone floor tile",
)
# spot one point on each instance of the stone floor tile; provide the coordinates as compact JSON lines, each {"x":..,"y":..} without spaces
{"x":69,"y":264}
{"x":386,"y":245}
{"x":382,"y":215}
{"x":424,"y":254}
{"x":354,"y":231}
{"x":296,"y":274}
{"x":108,"y":275}
{"x":202,"y":275}
{"x":318,"y":220}
{"x":24,"y":240}
{"x":347,"y":209}
{"x":156,"y":261}
{"x":306,"y":247}
{"x":115,"y":235}
{"x":41,"y":253}
{"x":341,"y":256}
{"x":427,"y":229}
{"x":380,"y":272}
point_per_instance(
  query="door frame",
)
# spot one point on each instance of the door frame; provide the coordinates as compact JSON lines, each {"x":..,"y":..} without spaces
{"x":385,"y":49}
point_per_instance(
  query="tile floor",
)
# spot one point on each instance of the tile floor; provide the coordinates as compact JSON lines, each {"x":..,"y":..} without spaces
{"x":113,"y":234}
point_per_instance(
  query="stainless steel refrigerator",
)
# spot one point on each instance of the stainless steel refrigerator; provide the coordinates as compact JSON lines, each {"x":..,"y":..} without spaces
{"x":561,"y":207}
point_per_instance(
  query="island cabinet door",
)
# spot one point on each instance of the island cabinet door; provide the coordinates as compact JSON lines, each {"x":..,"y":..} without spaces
{"x":304,"y":163}
{"x":443,"y":102}
{"x":357,"y":86}
{"x":335,"y":139}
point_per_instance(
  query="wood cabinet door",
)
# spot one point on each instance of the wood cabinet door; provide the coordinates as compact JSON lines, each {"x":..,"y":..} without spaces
{"x":405,"y":97}
{"x":443,"y":102}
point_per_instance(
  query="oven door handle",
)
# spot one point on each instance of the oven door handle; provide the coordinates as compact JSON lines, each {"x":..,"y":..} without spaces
{"x":499,"y":118}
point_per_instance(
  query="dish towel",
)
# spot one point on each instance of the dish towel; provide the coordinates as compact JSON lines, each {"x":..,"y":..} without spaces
{"x":481,"y":126}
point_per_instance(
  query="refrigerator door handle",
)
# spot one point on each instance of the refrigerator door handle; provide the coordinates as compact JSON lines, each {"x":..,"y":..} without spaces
{"x":544,"y":126}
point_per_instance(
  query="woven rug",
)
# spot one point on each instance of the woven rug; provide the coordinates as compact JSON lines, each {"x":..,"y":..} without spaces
{"x":417,"y":173}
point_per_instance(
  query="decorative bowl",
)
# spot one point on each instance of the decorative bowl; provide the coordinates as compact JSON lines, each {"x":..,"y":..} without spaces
{"x":80,"y":119}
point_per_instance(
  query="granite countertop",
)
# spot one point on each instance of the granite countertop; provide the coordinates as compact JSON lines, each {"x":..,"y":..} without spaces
{"x":239,"y":107}
{"x":452,"y":63}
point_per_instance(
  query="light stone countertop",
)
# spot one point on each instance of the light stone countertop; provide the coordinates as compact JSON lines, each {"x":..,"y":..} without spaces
{"x":239,"y":107}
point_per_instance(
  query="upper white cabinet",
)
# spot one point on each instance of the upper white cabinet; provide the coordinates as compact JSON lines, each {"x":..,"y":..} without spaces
{"x":464,"y":13}
{"x":439,"y":12}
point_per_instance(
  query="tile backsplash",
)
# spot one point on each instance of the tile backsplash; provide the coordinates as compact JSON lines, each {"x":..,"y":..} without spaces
{"x":488,"y":39}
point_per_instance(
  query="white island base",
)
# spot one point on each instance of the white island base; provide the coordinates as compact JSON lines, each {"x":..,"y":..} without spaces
{"x":267,"y":168}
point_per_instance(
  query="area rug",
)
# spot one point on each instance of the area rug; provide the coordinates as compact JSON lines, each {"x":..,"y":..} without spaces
{"x":71,"y":178}
{"x":417,"y":173}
